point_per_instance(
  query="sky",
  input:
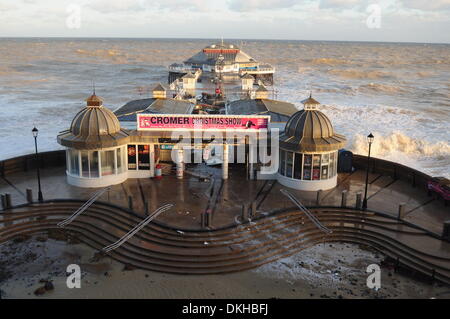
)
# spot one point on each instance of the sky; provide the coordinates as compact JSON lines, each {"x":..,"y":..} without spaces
{"x":338,"y":20}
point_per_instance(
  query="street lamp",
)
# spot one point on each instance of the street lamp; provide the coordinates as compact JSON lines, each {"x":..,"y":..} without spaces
{"x":35,"y":132}
{"x":370,"y":138}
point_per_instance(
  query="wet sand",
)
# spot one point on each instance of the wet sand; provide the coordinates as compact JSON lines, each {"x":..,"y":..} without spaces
{"x":322,"y":271}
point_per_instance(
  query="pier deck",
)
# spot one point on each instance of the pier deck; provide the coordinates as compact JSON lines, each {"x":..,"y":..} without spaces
{"x":225,"y":200}
{"x":176,"y":243}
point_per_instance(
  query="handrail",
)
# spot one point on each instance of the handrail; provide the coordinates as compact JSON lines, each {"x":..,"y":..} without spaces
{"x":306,"y":211}
{"x":271,"y":214}
{"x":85,"y":206}
{"x":137,"y":228}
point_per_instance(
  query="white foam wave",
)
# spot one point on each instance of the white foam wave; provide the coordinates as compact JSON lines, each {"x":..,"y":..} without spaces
{"x":404,"y":136}
{"x":399,"y":142}
{"x":431,"y":158}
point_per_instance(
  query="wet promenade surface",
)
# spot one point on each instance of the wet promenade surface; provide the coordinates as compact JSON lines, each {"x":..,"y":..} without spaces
{"x":193,"y":195}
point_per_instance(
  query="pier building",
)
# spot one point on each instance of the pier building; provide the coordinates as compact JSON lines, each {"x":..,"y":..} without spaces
{"x":105,"y":148}
{"x":309,"y":150}
{"x":225,"y":59}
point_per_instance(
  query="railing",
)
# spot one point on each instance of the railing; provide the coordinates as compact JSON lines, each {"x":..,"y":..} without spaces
{"x":28,"y":162}
{"x":182,"y":68}
{"x":83,"y":207}
{"x":313,"y":218}
{"x":418,"y":260}
{"x":137,"y":228}
{"x":259,"y":69}
{"x":395,"y":170}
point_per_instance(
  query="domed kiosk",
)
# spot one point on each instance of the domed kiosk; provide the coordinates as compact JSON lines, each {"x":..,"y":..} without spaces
{"x":309,"y":150}
{"x":96,"y":147}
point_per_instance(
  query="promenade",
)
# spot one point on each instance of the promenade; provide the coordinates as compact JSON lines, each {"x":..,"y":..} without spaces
{"x":193,"y":196}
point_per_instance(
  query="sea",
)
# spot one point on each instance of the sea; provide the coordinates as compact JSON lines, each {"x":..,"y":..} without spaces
{"x":399,"y":92}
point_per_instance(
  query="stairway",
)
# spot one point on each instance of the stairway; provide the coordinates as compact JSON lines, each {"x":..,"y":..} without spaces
{"x":161,"y":248}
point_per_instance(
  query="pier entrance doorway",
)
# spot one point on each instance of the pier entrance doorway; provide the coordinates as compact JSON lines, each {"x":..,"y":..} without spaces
{"x":212,"y":139}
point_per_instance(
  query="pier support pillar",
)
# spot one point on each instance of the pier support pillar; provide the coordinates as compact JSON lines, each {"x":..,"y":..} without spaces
{"x":446,"y":230}
{"x":208,"y":217}
{"x":344,"y":198}
{"x":3,"y":199}
{"x":401,"y":211}
{"x":8,"y":200}
{"x":253,"y":209}
{"x":29,"y":195}
{"x":130,"y":202}
{"x":180,"y":163}
{"x":146,"y":207}
{"x":358,"y":200}
{"x":244,"y":213}
{"x":225,"y":192}
{"x":203,"y":220}
{"x":225,"y":162}
{"x":318,"y":197}
{"x":251,"y":161}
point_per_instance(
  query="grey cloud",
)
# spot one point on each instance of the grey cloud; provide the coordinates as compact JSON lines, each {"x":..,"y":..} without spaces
{"x":200,"y":5}
{"x":344,"y":4}
{"x":108,"y":6}
{"x":253,"y":5}
{"x":426,"y":5}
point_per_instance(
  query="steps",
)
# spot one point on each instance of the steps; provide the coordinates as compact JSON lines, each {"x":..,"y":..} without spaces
{"x":161,"y":248}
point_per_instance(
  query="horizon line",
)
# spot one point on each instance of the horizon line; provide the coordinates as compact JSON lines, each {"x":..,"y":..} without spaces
{"x":208,"y":38}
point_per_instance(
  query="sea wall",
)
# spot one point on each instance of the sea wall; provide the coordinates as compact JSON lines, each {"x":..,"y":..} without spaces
{"x":28,"y":162}
{"x":58,"y":158}
{"x":395,"y":170}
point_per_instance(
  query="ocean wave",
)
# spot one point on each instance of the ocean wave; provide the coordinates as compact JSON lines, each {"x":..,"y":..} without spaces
{"x":360,"y":74}
{"x":378,"y":87}
{"x":425,"y":74}
{"x":378,"y":111}
{"x":398,"y":142}
{"x":5,"y":71}
{"x":330,"y":61}
{"x":412,"y":138}
{"x":113,"y":55}
{"x":135,"y":70}
{"x":99,"y":52}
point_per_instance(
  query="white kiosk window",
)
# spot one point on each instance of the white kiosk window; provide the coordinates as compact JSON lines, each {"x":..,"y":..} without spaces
{"x":74,"y":163}
{"x":107,"y":159}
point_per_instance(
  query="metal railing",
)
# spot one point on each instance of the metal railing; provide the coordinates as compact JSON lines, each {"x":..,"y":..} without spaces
{"x":306,"y":211}
{"x":137,"y":228}
{"x":83,"y":207}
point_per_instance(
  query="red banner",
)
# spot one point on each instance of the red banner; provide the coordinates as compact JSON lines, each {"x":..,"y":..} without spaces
{"x":202,"y":122}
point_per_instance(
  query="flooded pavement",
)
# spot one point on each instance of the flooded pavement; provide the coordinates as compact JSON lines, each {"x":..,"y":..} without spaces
{"x":203,"y":190}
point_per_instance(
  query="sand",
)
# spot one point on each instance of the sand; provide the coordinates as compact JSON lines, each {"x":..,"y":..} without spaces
{"x":322,"y":271}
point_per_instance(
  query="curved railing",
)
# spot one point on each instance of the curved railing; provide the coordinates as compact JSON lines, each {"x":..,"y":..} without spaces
{"x":58,"y":158}
{"x":233,"y":248}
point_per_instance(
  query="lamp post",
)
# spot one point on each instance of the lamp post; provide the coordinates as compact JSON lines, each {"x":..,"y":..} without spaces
{"x":370,"y":138}
{"x":35,"y":132}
